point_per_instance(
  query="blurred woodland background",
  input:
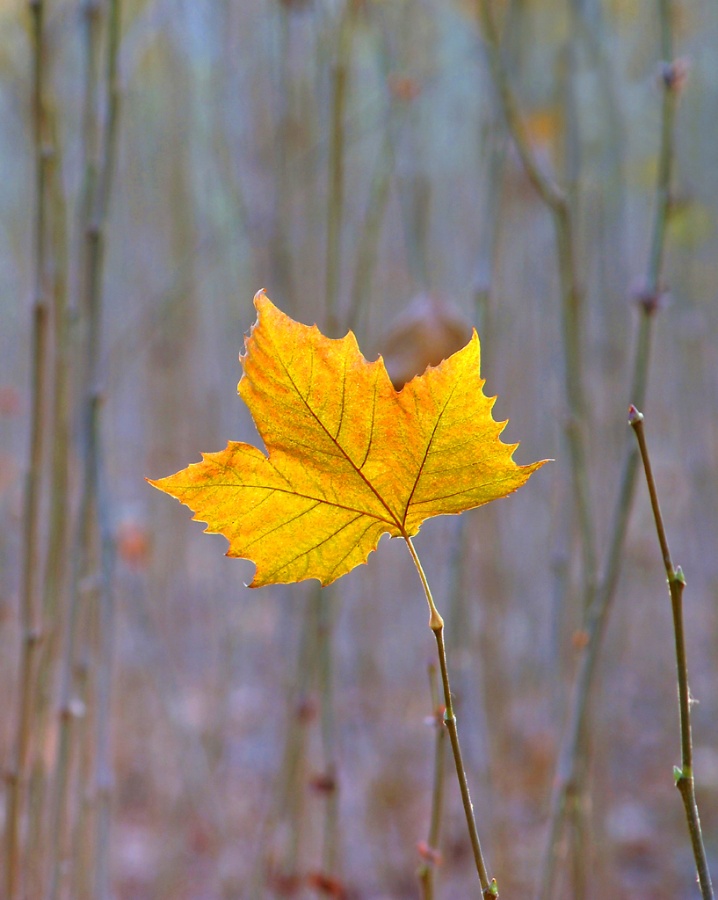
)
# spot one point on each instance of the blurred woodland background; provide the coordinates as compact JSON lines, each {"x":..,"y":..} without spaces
{"x":167,"y":733}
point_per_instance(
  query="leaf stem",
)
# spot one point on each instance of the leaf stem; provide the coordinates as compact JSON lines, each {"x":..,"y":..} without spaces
{"x":436,"y":623}
{"x":676,"y":585}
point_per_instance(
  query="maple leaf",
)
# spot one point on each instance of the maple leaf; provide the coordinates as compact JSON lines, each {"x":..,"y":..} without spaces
{"x":348,"y":457}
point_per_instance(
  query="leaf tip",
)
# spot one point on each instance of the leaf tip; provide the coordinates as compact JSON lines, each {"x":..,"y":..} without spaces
{"x":156,"y":483}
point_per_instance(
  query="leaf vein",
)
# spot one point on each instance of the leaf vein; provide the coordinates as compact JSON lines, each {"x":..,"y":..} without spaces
{"x":282,"y":524}
{"x":314,"y":546}
{"x":420,"y":470}
{"x":293,"y":493}
{"x":395,"y":520}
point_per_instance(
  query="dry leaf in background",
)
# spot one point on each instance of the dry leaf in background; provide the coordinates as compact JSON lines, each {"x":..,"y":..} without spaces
{"x":428,"y":331}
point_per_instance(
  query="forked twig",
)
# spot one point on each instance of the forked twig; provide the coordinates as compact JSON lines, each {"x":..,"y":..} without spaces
{"x":558,"y":202}
{"x":568,"y":778}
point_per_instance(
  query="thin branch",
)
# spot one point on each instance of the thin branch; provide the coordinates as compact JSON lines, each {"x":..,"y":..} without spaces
{"x":558,"y":203}
{"x":337,"y":147}
{"x":431,"y":857}
{"x":325,"y":679}
{"x":94,"y":531}
{"x":56,"y":563}
{"x":545,"y":186}
{"x":288,"y":806}
{"x":676,"y":584}
{"x":71,"y":700}
{"x":379,"y":191}
{"x":567,"y":782}
{"x":30,"y":609}
{"x":436,"y":623}
{"x":105,"y":649}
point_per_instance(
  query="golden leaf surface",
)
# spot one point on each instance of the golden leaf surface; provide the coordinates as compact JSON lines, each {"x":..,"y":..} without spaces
{"x":349,"y":457}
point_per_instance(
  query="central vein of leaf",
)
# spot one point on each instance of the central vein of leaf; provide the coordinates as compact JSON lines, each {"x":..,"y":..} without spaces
{"x":423,"y":461}
{"x":394,"y":518}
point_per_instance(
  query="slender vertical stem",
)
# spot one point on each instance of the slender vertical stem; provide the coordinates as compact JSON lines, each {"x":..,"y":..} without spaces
{"x":289,"y":802}
{"x":330,"y":843}
{"x":571,"y":321}
{"x":569,"y":767}
{"x":105,"y":649}
{"x":436,"y":623}
{"x":430,"y":852}
{"x":56,"y":563}
{"x":559,"y":205}
{"x":676,"y":584}
{"x":489,"y":223}
{"x":572,"y":324}
{"x":366,"y":253}
{"x":671,"y":87}
{"x":335,"y":197}
{"x":71,"y":706}
{"x":30,"y":611}
{"x":367,"y":244}
{"x":94,"y":532}
{"x":281,"y":254}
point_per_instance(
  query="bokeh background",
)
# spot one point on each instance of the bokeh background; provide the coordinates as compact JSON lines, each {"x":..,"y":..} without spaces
{"x":351,"y":157}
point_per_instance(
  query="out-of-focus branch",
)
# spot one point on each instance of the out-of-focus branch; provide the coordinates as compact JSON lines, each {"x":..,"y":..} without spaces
{"x":558,"y":203}
{"x":337,"y":148}
{"x":94,"y":552}
{"x":431,"y":857}
{"x":105,"y":643}
{"x":568,"y":774}
{"x":30,"y":608}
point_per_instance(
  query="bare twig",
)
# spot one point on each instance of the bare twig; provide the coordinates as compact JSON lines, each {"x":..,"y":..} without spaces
{"x":30,"y":610}
{"x":94,"y":532}
{"x":330,"y":780}
{"x":379,"y":191}
{"x":337,"y":142}
{"x":431,"y":857}
{"x":568,"y":780}
{"x":489,"y":888}
{"x":105,"y":643}
{"x":559,"y":205}
{"x":56,"y":564}
{"x":281,"y":252}
{"x":676,"y":585}
{"x":289,"y":802}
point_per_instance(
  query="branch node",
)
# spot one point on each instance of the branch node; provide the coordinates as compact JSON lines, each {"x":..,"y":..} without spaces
{"x":650,"y":300}
{"x":674,"y":75}
{"x":634,"y":416}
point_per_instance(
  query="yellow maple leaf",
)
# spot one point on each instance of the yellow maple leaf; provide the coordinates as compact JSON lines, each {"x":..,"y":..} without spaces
{"x":349,"y":457}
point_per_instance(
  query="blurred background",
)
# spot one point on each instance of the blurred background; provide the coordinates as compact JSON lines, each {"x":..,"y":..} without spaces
{"x":168,"y":733}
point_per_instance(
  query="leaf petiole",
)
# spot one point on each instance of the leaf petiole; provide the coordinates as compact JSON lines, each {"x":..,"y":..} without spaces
{"x":435,"y":621}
